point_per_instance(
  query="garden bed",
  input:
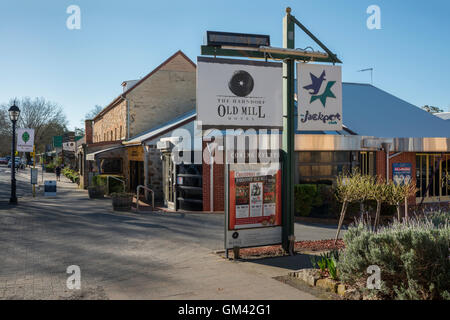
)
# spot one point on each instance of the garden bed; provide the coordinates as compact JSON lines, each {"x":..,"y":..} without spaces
{"x":277,"y":251}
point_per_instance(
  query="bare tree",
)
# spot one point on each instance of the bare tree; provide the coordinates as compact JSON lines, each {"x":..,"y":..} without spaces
{"x":45,"y":117}
{"x":91,"y":114}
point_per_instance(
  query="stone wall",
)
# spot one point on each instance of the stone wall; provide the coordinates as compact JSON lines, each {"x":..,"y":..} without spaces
{"x":112,"y":125}
{"x":168,"y":93}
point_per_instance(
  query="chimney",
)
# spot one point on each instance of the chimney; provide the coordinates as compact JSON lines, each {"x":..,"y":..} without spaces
{"x":88,"y":131}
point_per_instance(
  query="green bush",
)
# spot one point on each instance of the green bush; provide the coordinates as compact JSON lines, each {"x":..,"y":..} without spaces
{"x":115,"y":186}
{"x":413,"y":258}
{"x":72,"y":175}
{"x":50,"y":168}
{"x":306,"y":197}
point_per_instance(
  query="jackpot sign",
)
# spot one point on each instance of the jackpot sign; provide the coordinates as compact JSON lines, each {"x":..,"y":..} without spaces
{"x":319,"y":97}
{"x":239,"y":93}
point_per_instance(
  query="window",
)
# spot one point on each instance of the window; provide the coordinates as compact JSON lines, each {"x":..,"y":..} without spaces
{"x":367,"y":162}
{"x":110,"y":166}
{"x":323,"y":167}
{"x":432,"y":173}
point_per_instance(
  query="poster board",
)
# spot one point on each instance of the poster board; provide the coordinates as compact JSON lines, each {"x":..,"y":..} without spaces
{"x":401,"y":173}
{"x":253,"y":205}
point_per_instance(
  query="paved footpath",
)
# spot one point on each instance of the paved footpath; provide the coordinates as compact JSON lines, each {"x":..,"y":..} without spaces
{"x":121,"y":255}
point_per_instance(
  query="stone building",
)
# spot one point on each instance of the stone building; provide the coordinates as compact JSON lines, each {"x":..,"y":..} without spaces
{"x":166,"y":92}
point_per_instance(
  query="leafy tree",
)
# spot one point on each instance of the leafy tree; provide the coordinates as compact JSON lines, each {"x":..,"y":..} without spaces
{"x":432,"y":109}
{"x":348,"y":189}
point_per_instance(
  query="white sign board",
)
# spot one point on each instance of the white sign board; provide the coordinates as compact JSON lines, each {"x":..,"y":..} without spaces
{"x":69,"y":146}
{"x":25,"y":140}
{"x":319,"y":97}
{"x":239,"y":93}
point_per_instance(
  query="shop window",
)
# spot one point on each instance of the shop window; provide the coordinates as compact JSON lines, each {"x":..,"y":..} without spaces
{"x":367,"y":161}
{"x":323,"y":167}
{"x":111,"y":166}
{"x":432,"y":172}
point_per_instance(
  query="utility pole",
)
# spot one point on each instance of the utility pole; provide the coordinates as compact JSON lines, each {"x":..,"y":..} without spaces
{"x":288,"y":133}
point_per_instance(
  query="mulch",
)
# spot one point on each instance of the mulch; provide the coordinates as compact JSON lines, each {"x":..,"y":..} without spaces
{"x":300,"y":247}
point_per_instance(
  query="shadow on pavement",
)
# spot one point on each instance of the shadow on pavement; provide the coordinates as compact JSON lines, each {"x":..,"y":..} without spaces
{"x":296,"y":262}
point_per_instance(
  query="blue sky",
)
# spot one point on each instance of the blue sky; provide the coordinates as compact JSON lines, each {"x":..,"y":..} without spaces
{"x":122,"y":40}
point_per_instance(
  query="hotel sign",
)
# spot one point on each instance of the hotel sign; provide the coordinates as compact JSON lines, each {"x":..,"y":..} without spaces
{"x":239,"y":93}
{"x":319,"y":97}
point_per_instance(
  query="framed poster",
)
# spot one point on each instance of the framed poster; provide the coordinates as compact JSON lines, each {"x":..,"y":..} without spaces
{"x":235,"y":93}
{"x":401,"y":173}
{"x":319,"y":97}
{"x":253,"y":211}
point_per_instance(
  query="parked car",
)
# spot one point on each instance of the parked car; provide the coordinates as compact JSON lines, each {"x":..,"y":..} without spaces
{"x":3,"y":161}
{"x":17,"y":164}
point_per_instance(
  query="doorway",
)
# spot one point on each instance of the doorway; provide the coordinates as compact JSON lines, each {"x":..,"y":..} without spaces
{"x":169,"y":182}
{"x":136,"y":174}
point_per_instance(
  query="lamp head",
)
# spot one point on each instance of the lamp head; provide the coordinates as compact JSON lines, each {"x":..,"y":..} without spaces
{"x":14,"y":113}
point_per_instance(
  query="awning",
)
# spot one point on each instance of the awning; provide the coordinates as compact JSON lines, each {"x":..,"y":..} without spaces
{"x":93,"y":155}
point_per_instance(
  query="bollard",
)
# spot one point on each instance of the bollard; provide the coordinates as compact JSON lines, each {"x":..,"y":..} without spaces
{"x":236,"y":252}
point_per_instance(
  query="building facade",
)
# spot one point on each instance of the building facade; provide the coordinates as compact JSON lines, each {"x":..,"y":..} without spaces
{"x":166,"y":92}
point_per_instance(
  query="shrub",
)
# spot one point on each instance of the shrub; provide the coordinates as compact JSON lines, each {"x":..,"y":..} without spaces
{"x":306,"y":196}
{"x":413,"y":258}
{"x":50,"y":167}
{"x":114,"y":185}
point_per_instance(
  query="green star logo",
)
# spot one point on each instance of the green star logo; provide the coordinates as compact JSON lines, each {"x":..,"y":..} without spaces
{"x":326,"y":94}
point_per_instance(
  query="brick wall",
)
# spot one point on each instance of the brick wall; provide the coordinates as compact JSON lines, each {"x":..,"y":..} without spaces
{"x":405,"y":157}
{"x":219,"y":186}
{"x":89,"y":131}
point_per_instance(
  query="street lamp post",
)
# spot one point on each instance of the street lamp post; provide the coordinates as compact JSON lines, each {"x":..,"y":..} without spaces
{"x":14,"y":113}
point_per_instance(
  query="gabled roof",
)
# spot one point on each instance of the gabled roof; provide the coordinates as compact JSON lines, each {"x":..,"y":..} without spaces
{"x":121,"y":97}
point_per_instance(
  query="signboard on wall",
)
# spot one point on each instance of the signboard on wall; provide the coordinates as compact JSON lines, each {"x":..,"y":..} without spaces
{"x":25,"y":140}
{"x":319,"y":97}
{"x":239,"y":93}
{"x":254,"y":205}
{"x":401,"y":173}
